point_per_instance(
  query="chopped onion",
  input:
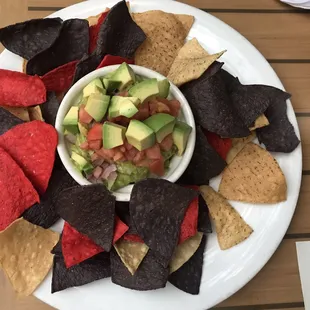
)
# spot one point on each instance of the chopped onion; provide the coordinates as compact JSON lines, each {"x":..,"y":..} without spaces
{"x":106,"y":173}
{"x":71,"y":138}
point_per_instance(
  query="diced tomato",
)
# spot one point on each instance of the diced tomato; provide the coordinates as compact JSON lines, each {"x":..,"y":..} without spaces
{"x":157,"y":167}
{"x":127,"y":145}
{"x":95,"y":144}
{"x":94,"y":157}
{"x":174,"y":105}
{"x":122,"y":149}
{"x":143,"y":163}
{"x":84,"y":145}
{"x":118,"y":156}
{"x":143,"y":112}
{"x":140,"y":156}
{"x":153,"y":152}
{"x":106,"y":154}
{"x":167,"y":143}
{"x":95,"y":133}
{"x":162,"y":108}
{"x":153,"y":107}
{"x":130,"y":155}
{"x":84,"y":117}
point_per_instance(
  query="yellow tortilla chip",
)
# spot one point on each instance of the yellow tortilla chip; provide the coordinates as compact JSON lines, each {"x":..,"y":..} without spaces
{"x":186,"y":20}
{"x":254,"y":176}
{"x":25,"y":65}
{"x":25,"y":254}
{"x":191,"y":62}
{"x":230,"y":227}
{"x":165,"y":36}
{"x":93,"y":20}
{"x":237,"y":145}
{"x":185,"y":251}
{"x":35,"y":113}
{"x":131,"y":253}
{"x":260,"y":122}
{"x":21,"y":113}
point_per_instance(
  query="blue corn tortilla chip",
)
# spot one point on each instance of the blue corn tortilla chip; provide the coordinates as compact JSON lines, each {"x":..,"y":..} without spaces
{"x":158,"y":220}
{"x":122,"y":211}
{"x":44,"y":213}
{"x":205,"y":164}
{"x":8,"y":121}
{"x":29,"y":38}
{"x":50,"y":108}
{"x":204,"y":222}
{"x":119,"y":35}
{"x":280,"y":135}
{"x":72,"y":44}
{"x":86,"y":65}
{"x":212,"y":106}
{"x":188,"y":277}
{"x":150,"y":275}
{"x":90,"y":210}
{"x":229,"y":80}
{"x":251,"y":101}
{"x":93,"y":269}
{"x":57,"y":250}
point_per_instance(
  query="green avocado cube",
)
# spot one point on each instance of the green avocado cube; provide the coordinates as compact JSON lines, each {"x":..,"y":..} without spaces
{"x":111,"y":85}
{"x":145,"y":90}
{"x":94,"y":87}
{"x":113,"y":135}
{"x":70,"y":122}
{"x":180,"y":136}
{"x":162,"y":124}
{"x":81,"y":163}
{"x":125,"y":75}
{"x":164,"y":88}
{"x":97,"y":106}
{"x":140,"y":135}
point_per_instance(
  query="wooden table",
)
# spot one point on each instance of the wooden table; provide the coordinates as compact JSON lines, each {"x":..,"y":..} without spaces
{"x":282,"y":34}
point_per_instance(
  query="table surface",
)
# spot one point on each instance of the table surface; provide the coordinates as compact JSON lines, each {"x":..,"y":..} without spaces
{"x":281,"y":33}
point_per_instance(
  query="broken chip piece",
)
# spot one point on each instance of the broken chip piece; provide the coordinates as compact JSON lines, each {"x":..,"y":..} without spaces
{"x":8,"y":120}
{"x":254,"y":176}
{"x":230,"y":227}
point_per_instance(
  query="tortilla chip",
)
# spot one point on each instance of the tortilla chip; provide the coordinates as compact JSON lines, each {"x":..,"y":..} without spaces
{"x":165,"y":36}
{"x":186,"y":20}
{"x":191,"y":62}
{"x":231,"y":229}
{"x":237,"y":145}
{"x":25,"y":255}
{"x":204,"y":222}
{"x":93,"y":20}
{"x":21,"y":113}
{"x":131,"y":253}
{"x":35,"y":113}
{"x":7,"y":120}
{"x":184,"y":252}
{"x":25,"y":61}
{"x":254,"y":176}
{"x":260,"y":122}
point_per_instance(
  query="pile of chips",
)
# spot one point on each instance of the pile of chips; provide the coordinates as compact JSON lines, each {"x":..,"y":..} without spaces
{"x":160,"y":235}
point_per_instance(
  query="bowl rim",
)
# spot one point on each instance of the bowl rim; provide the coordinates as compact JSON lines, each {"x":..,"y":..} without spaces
{"x":144,"y":72}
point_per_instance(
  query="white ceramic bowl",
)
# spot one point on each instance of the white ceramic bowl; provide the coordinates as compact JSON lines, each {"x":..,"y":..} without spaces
{"x":178,"y":164}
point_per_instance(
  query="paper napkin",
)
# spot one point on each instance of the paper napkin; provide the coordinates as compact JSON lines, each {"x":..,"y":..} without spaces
{"x":303,"y":4}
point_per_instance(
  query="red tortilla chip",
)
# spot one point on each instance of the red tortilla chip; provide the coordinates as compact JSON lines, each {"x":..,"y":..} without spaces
{"x":16,"y":192}
{"x":21,"y":90}
{"x":77,"y":247}
{"x":190,"y":221}
{"x":60,"y":79}
{"x":94,"y":31}
{"x":110,"y":60}
{"x":32,"y":145}
{"x":221,"y":145}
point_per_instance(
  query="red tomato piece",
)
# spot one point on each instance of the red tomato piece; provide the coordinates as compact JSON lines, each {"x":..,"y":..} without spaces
{"x":143,"y":163}
{"x":84,"y":145}
{"x":95,"y":144}
{"x":153,"y":152}
{"x":174,"y":105}
{"x":84,"y":117}
{"x":127,"y":145}
{"x":167,"y":143}
{"x":106,"y":154}
{"x":118,"y":156}
{"x":95,"y":133}
{"x":143,"y":112}
{"x":140,"y":156}
{"x":157,"y":167}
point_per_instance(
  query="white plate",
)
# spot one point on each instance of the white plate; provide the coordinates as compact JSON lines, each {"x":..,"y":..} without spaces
{"x":225,"y":272}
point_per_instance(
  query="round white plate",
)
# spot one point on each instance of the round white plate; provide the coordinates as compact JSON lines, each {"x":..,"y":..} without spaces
{"x":224,"y":272}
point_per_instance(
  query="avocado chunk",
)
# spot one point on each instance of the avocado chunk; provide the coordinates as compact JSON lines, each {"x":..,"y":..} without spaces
{"x":180,"y":136}
{"x":70,"y":121}
{"x":94,"y":87}
{"x":125,"y":75}
{"x":113,"y":135}
{"x":140,"y":135}
{"x":77,"y":147}
{"x":83,"y":129}
{"x":111,"y":85}
{"x":164,"y":88}
{"x":145,"y":90}
{"x":97,"y":105}
{"x":81,"y":163}
{"x":123,"y":106}
{"x":162,"y":124}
